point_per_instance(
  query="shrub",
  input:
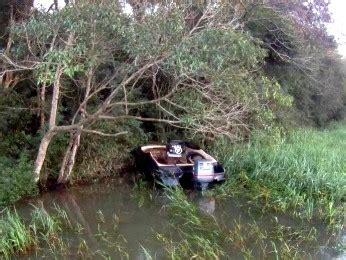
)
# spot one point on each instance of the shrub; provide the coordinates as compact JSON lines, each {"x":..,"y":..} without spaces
{"x":15,"y":179}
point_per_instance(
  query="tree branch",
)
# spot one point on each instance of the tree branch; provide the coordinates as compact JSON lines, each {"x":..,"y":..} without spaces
{"x":103,"y":134}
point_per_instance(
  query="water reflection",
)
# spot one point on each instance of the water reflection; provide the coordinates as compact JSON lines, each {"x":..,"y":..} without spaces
{"x":113,"y":220}
{"x":205,"y":204}
{"x":109,"y":217}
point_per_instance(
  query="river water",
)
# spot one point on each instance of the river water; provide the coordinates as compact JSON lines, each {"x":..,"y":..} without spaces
{"x":114,"y":220}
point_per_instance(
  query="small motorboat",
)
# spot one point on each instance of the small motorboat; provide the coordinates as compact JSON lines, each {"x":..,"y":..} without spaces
{"x":178,"y":162}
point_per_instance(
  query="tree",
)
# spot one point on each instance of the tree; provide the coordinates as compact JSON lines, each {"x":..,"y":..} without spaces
{"x":11,"y":11}
{"x":298,"y":45}
{"x":201,"y":79}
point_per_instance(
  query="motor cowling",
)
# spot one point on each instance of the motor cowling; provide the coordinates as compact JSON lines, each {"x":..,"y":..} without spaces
{"x":175,"y":148}
{"x":203,"y":171}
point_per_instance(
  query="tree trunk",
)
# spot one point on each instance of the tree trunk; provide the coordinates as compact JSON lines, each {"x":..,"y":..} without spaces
{"x":10,"y":36}
{"x":56,"y":5}
{"x":47,"y":138}
{"x":9,"y":80}
{"x":55,"y":99}
{"x":71,"y":151}
{"x":41,"y":155}
{"x":70,"y":157}
{"x":42,"y":95}
{"x":9,"y":76}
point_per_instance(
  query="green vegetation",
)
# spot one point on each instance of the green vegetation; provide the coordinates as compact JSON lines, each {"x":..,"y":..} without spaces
{"x":82,"y":85}
{"x":15,"y":236}
{"x":304,"y":170}
{"x":195,"y":234}
{"x":47,"y":232}
{"x":301,"y":174}
{"x":20,"y":236}
{"x":15,"y":179}
{"x":247,"y":232}
{"x":190,"y":233}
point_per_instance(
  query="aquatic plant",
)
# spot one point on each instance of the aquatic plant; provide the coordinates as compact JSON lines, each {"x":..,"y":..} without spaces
{"x":146,"y":254}
{"x":43,"y":225}
{"x":19,"y":236}
{"x":191,"y":234}
{"x":15,"y":236}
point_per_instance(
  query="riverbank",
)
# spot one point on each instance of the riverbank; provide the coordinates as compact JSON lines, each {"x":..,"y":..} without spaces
{"x":304,"y":169}
{"x":281,"y":198}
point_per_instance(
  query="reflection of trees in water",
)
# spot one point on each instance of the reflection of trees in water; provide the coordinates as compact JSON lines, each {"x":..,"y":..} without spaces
{"x":67,"y":201}
{"x":138,"y":222}
{"x":106,"y":211}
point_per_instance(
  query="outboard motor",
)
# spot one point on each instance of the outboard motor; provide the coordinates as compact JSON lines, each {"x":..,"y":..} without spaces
{"x":203,"y":171}
{"x":175,"y":148}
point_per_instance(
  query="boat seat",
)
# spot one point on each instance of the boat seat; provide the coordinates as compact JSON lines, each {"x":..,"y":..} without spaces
{"x":193,"y":156}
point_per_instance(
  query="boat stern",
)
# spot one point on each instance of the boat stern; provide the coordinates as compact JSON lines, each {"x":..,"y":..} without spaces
{"x":207,"y":171}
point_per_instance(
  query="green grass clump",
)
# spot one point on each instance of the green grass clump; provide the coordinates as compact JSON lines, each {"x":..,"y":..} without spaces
{"x":44,"y":225}
{"x":191,"y":234}
{"x":306,"y":170}
{"x":19,"y":236}
{"x":15,"y":236}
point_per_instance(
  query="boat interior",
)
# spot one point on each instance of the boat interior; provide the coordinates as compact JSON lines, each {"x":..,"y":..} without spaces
{"x":159,"y":154}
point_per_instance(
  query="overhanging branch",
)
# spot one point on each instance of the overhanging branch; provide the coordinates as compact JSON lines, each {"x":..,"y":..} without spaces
{"x":103,"y":134}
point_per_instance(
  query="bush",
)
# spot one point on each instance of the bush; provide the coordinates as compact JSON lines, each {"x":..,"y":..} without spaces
{"x":16,"y":179}
{"x":100,"y":157}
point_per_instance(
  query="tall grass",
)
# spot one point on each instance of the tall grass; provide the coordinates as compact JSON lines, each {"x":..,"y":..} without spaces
{"x":305,"y":169}
{"x":15,"y":236}
{"x":191,"y":234}
{"x":19,"y":236}
{"x":44,"y":225}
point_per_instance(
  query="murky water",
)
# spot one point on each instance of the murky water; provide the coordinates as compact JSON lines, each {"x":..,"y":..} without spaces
{"x":114,"y":220}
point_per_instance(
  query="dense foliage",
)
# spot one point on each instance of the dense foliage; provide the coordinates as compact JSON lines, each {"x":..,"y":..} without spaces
{"x":15,"y":179}
{"x":83,"y":85}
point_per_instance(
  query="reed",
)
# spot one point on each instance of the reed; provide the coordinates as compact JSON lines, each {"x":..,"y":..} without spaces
{"x":191,"y":234}
{"x":43,"y":225}
{"x":15,"y":236}
{"x":18,"y":235}
{"x":304,"y":170}
{"x":302,"y":174}
{"x":146,"y":254}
